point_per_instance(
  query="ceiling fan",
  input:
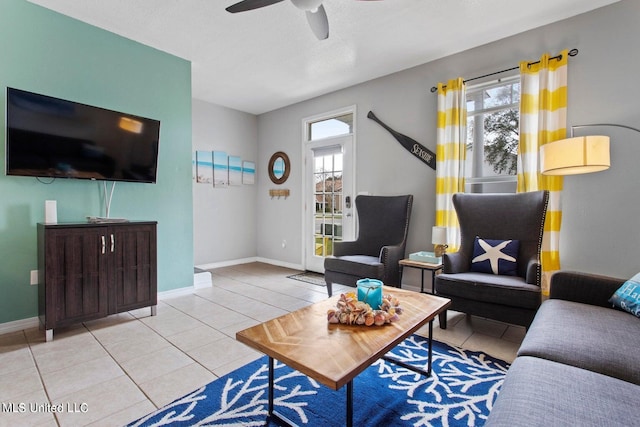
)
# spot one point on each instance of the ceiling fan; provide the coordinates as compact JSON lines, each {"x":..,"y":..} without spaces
{"x":316,"y":15}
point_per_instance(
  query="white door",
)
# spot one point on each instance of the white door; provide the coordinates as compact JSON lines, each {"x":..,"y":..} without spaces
{"x":329,"y":192}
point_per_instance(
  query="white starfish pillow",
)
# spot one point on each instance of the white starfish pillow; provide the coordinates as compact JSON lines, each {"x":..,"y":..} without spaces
{"x":495,"y":256}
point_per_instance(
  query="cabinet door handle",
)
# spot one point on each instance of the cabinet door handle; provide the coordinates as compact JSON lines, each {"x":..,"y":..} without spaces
{"x":113,"y":242}
{"x":104,"y":244}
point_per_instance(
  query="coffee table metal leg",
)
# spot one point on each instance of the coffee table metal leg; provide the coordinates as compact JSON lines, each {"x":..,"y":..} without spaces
{"x":272,"y":413}
{"x":430,"y":347}
{"x":350,"y":403}
{"x":271,"y":380}
{"x":414,"y":368}
{"x":281,"y":420}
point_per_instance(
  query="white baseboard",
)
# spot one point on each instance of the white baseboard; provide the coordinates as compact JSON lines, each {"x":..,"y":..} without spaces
{"x":233,"y":262}
{"x":19,"y":325}
{"x":229,"y":263}
{"x":202,"y":280}
{"x":281,"y":263}
{"x":187,"y":290}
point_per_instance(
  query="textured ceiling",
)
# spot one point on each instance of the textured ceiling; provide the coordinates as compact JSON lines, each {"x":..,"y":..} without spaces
{"x":264,"y":59}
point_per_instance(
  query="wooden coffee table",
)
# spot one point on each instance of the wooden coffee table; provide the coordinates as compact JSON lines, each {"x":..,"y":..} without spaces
{"x":334,"y":354}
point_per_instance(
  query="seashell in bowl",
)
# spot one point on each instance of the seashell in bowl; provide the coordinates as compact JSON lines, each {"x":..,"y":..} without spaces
{"x":379,"y":318}
{"x":369,"y":319}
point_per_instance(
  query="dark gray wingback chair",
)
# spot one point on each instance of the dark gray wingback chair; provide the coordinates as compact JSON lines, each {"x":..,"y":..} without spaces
{"x":511,"y":299}
{"x":382,"y":238}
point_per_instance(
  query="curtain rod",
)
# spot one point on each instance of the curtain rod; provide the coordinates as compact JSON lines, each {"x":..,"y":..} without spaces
{"x":572,"y":52}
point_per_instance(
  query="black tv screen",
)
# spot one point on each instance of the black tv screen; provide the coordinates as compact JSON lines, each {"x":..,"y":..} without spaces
{"x":55,"y":138}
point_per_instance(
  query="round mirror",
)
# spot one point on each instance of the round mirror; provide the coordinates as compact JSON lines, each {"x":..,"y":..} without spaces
{"x":279,"y":167}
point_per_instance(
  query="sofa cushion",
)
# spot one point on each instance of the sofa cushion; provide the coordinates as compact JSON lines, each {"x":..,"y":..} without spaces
{"x":539,"y":392}
{"x":495,"y":256}
{"x":506,"y":290}
{"x":627,"y":297}
{"x":356,"y":265}
{"x":595,"y":338}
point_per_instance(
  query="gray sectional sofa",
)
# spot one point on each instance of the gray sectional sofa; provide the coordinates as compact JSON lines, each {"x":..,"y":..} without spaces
{"x":579,"y":363}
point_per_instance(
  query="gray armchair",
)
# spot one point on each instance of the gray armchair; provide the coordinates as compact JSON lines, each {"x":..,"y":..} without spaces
{"x":507,"y":298}
{"x":382,"y":238}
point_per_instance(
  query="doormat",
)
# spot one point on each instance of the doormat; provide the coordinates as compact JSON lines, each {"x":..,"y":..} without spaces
{"x":309,"y":277}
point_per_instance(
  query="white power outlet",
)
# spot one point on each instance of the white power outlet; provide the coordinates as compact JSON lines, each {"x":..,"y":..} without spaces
{"x":34,"y":277}
{"x":284,"y":244}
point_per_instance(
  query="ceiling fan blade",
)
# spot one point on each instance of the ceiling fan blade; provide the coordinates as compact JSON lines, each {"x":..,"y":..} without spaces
{"x":245,"y":5}
{"x":307,"y":4}
{"x":319,"y":23}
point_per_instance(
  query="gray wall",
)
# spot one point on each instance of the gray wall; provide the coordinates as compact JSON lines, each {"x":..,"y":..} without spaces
{"x":384,"y":167}
{"x":224,"y":218}
{"x":600,"y":226}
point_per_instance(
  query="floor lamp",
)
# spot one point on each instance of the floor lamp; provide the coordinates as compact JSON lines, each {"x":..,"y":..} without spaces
{"x":576,"y":155}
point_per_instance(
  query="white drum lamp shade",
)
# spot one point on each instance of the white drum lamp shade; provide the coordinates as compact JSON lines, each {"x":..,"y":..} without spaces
{"x":439,"y":235}
{"x":571,"y":156}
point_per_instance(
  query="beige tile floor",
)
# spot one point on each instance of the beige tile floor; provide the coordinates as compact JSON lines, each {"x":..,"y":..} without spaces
{"x":112,"y":371}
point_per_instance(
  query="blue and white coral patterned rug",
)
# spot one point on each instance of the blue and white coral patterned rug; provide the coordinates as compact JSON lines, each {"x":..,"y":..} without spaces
{"x":460,"y":392}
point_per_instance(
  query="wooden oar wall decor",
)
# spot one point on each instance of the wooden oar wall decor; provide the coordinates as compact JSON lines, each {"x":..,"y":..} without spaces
{"x":411,"y":145}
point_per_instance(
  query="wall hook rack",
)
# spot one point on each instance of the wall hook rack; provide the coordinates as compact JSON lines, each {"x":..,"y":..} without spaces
{"x":279,"y":193}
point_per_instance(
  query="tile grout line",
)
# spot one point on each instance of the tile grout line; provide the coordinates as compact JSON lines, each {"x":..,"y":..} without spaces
{"x":261,"y":287}
{"x":234,"y":310}
{"x":44,"y":387}
{"x":137,"y":319}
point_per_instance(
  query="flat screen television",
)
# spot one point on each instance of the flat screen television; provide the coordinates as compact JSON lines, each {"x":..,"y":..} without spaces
{"x":55,"y":138}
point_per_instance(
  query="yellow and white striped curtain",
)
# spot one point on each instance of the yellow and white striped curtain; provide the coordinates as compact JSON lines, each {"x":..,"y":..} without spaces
{"x":450,"y":155}
{"x":543,"y":119}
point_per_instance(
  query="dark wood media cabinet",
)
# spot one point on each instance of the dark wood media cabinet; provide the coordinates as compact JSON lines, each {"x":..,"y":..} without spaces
{"x":87,"y":271}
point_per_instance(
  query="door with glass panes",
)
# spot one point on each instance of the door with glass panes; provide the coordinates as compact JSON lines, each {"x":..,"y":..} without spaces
{"x":329,"y":207}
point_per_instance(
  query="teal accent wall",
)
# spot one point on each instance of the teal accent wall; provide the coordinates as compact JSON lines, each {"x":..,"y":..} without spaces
{"x":45,"y":52}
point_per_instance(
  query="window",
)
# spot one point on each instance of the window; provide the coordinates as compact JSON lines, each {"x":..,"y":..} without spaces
{"x":493,"y":120}
{"x":328,"y":167}
{"x":335,"y":126}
